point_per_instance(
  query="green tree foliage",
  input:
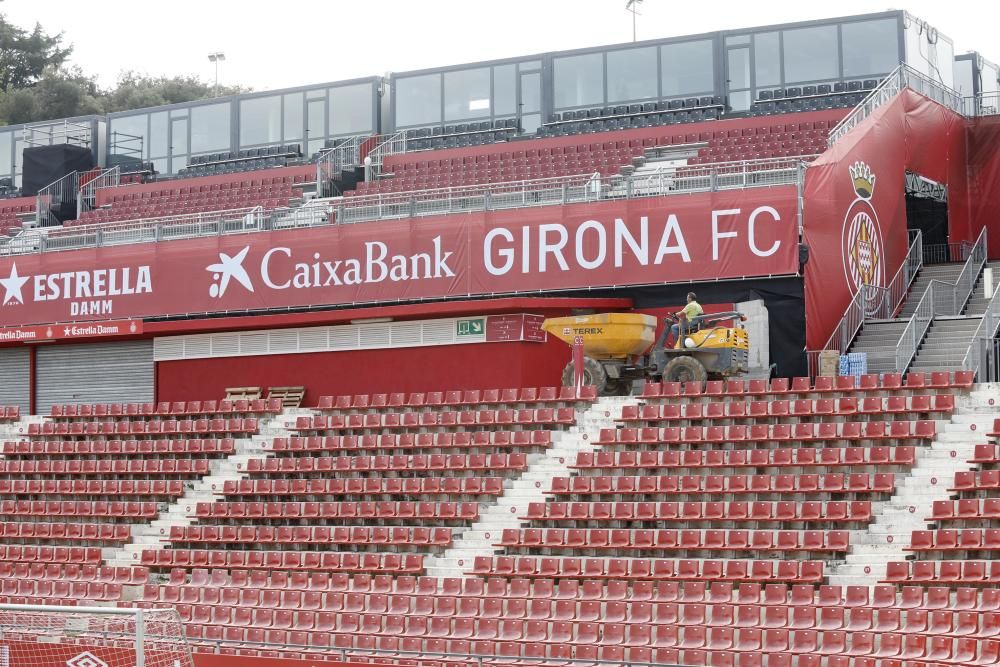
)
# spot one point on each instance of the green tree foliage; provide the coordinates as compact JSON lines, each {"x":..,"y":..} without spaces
{"x":37,"y":85}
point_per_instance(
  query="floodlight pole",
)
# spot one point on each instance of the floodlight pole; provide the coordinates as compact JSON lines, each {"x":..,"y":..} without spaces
{"x":216,"y":58}
{"x":632,"y":6}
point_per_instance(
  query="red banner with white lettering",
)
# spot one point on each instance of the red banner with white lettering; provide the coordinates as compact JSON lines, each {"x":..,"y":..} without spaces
{"x":681,"y":238}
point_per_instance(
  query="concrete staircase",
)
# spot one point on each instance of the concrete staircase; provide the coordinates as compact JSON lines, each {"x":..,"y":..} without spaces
{"x":530,"y":487}
{"x":156,"y":534}
{"x":979,"y":299}
{"x":946,"y":343}
{"x":878,"y":339}
{"x":889,"y":534}
{"x":944,"y":272}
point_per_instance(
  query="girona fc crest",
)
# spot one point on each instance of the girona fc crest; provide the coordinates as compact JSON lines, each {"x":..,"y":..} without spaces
{"x":861,"y":240}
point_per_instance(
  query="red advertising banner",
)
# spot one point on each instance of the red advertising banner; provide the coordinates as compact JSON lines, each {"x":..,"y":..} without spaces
{"x":681,"y":238}
{"x":70,"y":331}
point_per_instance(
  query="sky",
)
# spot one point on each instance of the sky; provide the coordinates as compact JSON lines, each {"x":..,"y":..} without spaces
{"x":271,"y":45}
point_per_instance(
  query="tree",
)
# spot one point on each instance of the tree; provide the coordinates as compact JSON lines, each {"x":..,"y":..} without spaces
{"x":25,"y":56}
{"x":137,"y":91}
{"x":60,"y":93}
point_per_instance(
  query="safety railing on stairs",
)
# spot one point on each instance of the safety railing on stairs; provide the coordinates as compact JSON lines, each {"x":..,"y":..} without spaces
{"x":946,"y":253}
{"x":982,"y":347}
{"x":940,"y":299}
{"x":54,"y":196}
{"x":87,"y":196}
{"x":887,"y":300}
{"x":392,"y":145}
{"x":902,"y":77}
{"x":332,"y":161}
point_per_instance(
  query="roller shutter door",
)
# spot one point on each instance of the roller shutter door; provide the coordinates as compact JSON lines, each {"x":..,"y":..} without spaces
{"x":15,"y":380}
{"x":95,"y":373}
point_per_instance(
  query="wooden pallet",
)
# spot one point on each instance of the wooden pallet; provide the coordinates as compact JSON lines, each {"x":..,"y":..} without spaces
{"x":237,"y":393}
{"x":291,"y":397}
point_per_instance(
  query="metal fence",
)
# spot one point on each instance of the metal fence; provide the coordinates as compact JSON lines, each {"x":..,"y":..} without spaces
{"x":573,"y":189}
{"x":54,"y":196}
{"x":987,"y":104}
{"x":902,"y":77}
{"x":982,"y":352}
{"x":87,"y":196}
{"x":210,"y":223}
{"x":945,"y":253}
{"x":332,"y":161}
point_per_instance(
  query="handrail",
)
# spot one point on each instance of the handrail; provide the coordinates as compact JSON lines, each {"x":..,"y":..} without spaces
{"x":895,"y":292}
{"x":572,"y":189}
{"x":87,"y":196}
{"x":192,"y":225}
{"x":393,"y":145}
{"x":54,"y":194}
{"x":938,"y":300}
{"x":983,"y":104}
{"x":987,"y":329}
{"x":902,"y":77}
{"x":331,"y":161}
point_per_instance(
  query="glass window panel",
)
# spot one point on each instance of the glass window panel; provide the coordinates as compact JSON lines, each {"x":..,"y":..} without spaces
{"x":989,"y":81}
{"x":579,"y":80}
{"x":687,"y":68}
{"x":293,"y":117}
{"x":870,"y":47}
{"x":531,"y":122}
{"x":316,"y":93}
{"x":6,"y":141}
{"x":178,"y":136}
{"x":418,"y":100}
{"x":210,"y":128}
{"x":738,"y":40}
{"x":260,"y":120}
{"x":467,"y":94}
{"x":122,"y":132}
{"x":811,"y":54}
{"x":739,"y":68}
{"x":531,"y":93}
{"x":351,"y":109}
{"x":767,"y":59}
{"x":504,"y":90}
{"x":530,"y":65}
{"x":632,"y":74}
{"x":739,"y":101}
{"x":158,"y":139}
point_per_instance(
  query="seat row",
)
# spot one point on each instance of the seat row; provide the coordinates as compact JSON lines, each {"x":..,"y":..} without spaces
{"x":448,"y":418}
{"x":73,"y":572}
{"x":466,"y":398}
{"x":365,"y":486}
{"x":801,"y":432}
{"x":965,"y":509}
{"x":796,"y":571}
{"x":860,"y":511}
{"x":801,"y":457}
{"x":665,"y":539}
{"x":970,"y":539}
{"x":283,"y":560}
{"x":944,"y":572}
{"x":314,"y":535}
{"x":986,"y":453}
{"x":388,"y":592}
{"x":62,"y":590}
{"x":98,"y":508}
{"x":167,"y":409}
{"x":383,"y":510}
{"x":89,"y":487}
{"x":106,"y":467}
{"x":802,"y":408}
{"x":887,"y":382}
{"x":107,"y":532}
{"x":150,"y":427}
{"x":395,"y":441}
{"x":983,"y":480}
{"x":10,"y":413}
{"x":111,"y":447}
{"x":386,"y":463}
{"x":35,"y":554}
{"x":732,"y":484}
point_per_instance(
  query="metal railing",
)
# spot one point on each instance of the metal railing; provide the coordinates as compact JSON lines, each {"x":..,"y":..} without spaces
{"x":54,"y":195}
{"x":48,"y":133}
{"x":945,"y":253}
{"x":902,"y":77}
{"x":393,"y":145}
{"x":332,"y":161}
{"x":940,"y":299}
{"x":193,"y":225}
{"x":572,"y":189}
{"x":982,"y":348}
{"x":984,"y":104}
{"x":887,"y":300}
{"x":87,"y":196}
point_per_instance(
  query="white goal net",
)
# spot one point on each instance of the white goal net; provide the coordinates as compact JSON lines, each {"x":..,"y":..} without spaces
{"x":52,"y":636}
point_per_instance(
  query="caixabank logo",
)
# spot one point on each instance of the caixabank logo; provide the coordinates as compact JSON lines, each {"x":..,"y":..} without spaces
{"x":861,"y":240}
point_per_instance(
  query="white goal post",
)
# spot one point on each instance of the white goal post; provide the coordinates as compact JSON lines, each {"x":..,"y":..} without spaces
{"x":65,"y":636}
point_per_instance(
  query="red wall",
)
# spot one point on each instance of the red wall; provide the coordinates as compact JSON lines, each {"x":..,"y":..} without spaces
{"x":471,"y":366}
{"x":984,"y":178}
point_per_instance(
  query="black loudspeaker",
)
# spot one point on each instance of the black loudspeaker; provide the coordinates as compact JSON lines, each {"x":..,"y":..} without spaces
{"x":47,"y":164}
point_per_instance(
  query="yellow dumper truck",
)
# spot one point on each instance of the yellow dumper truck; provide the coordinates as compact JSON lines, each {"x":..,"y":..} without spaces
{"x":619,"y":348}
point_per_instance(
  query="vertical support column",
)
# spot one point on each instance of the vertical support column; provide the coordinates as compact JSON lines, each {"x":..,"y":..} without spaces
{"x":140,"y":639}
{"x":32,"y":384}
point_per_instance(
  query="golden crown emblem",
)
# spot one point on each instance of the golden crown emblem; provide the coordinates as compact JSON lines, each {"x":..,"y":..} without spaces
{"x":863,"y":179}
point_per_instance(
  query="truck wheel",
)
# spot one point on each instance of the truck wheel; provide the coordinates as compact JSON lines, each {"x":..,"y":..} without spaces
{"x":685,"y":369}
{"x":593,"y":374}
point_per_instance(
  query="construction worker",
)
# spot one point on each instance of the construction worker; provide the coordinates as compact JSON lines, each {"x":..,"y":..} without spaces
{"x":692,"y":310}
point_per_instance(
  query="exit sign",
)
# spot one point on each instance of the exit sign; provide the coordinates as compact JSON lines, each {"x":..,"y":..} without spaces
{"x":476,"y":327}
